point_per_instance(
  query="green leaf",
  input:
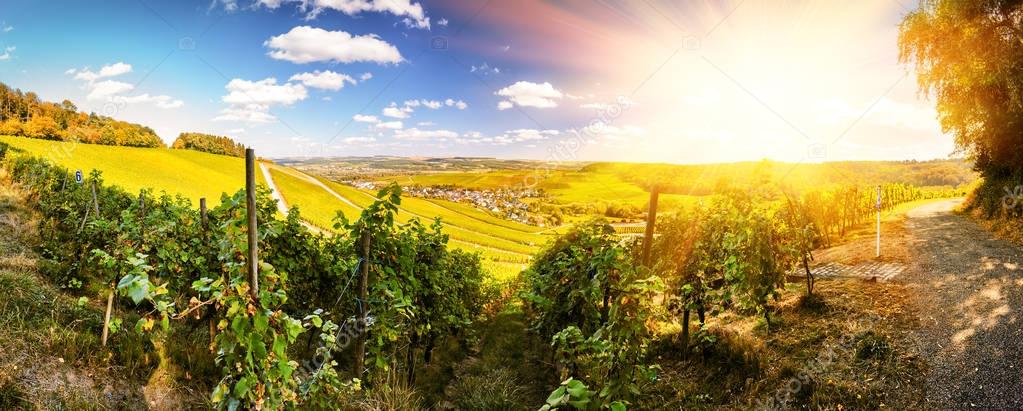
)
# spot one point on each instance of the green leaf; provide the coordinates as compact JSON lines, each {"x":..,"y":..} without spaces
{"x":260,"y":322}
{"x":286,"y":368}
{"x":257,"y":346}
{"x":280,"y":347}
{"x":242,"y":386}
{"x":218,"y":393}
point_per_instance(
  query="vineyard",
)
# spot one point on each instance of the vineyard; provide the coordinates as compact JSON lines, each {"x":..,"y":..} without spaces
{"x":353,"y":313}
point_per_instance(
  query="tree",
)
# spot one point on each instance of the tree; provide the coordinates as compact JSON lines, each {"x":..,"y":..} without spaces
{"x":209,"y":144}
{"x":969,"y":56}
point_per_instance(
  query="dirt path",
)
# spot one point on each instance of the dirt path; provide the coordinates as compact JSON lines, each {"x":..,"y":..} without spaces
{"x":969,"y":296}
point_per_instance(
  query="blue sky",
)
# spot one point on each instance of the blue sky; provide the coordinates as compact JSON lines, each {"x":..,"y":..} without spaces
{"x":570,"y":80}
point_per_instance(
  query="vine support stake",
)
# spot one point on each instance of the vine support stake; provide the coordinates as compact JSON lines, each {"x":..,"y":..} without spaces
{"x":360,"y":342}
{"x":95,"y":199}
{"x":142,"y":218}
{"x":202,"y":215}
{"x":205,"y":226}
{"x":106,"y":317}
{"x":651,"y":220}
{"x":250,"y":205}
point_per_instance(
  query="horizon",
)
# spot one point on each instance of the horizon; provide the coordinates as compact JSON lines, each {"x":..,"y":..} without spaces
{"x":714,"y":82}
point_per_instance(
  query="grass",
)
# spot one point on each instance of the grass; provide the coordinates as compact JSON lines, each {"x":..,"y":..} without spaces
{"x":298,"y":191}
{"x":190,"y":173}
{"x":847,"y":353}
{"x":427,"y":210}
{"x":194,"y":175}
{"x":315,"y":204}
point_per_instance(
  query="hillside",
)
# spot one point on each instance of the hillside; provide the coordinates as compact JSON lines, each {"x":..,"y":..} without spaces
{"x":506,"y":245}
{"x":189,"y":173}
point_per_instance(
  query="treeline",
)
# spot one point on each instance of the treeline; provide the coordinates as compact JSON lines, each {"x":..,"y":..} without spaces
{"x":25,"y":115}
{"x":209,"y":143}
{"x":710,"y":178}
{"x":307,"y":339}
{"x":967,"y":57}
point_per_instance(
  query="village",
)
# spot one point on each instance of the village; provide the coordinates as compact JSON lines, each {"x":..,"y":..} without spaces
{"x":506,"y":203}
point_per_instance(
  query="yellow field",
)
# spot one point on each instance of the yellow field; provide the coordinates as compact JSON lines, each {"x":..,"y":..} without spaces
{"x":189,"y":173}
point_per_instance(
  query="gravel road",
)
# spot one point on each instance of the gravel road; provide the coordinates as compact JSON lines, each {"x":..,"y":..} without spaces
{"x":969,"y":298}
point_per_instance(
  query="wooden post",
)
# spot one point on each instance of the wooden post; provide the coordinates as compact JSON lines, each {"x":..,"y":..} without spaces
{"x":205,"y":226}
{"x":250,"y":205}
{"x":651,"y":219}
{"x":202,"y":215}
{"x":360,"y":342}
{"x":95,"y":200}
{"x":142,"y":218}
{"x":106,"y":318}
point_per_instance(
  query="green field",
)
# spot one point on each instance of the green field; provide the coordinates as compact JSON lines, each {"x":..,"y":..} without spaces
{"x":505,"y":245}
{"x":496,"y":242}
{"x":315,"y":205}
{"x":598,"y":185}
{"x":189,"y":173}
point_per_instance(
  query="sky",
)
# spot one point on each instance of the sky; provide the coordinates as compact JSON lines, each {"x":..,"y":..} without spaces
{"x":570,"y":80}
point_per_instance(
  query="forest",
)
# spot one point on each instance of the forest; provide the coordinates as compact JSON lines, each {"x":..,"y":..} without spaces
{"x":209,"y":143}
{"x":24,"y":114}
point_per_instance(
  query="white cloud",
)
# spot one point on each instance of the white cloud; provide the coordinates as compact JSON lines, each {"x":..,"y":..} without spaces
{"x":236,"y":131}
{"x":415,"y":134}
{"x":504,"y":105}
{"x":484,"y":69}
{"x":365,"y":76}
{"x":442,"y":22}
{"x":425,"y":124}
{"x":359,"y":140}
{"x":107,"y":89}
{"x":111,"y":70}
{"x":161,"y":101}
{"x":397,"y":112}
{"x":263,"y":92}
{"x":114,"y":91}
{"x":620,"y":104}
{"x":413,"y":12}
{"x":7,"y":29}
{"x":459,"y":104}
{"x":527,"y":94}
{"x":432,"y":104}
{"x":508,"y":137}
{"x":304,"y":44}
{"x":324,"y":80}
{"x":229,"y":5}
{"x":252,"y":113}
{"x":365,"y":119}
{"x":250,"y":101}
{"x":7,"y":53}
{"x":393,"y":125}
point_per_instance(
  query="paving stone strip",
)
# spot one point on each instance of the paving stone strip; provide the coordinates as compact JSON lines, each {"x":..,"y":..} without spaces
{"x":882,"y":271}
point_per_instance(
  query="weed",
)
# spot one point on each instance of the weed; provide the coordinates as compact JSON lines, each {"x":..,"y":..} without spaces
{"x":872,"y":346}
{"x":495,"y":389}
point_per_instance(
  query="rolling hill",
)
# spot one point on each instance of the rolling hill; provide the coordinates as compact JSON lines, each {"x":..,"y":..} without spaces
{"x":506,"y":245}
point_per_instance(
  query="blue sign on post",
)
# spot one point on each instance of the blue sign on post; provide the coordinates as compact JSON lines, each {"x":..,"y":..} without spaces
{"x":79,"y":178}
